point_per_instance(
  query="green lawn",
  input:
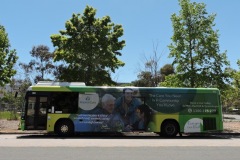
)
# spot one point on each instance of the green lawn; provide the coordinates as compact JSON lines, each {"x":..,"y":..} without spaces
{"x":9,"y":115}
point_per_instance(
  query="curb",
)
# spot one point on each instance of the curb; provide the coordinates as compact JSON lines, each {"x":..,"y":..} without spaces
{"x":21,"y":132}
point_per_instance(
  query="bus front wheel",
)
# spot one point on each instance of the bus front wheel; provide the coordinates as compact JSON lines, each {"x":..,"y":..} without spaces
{"x":64,"y":128}
{"x":169,"y":128}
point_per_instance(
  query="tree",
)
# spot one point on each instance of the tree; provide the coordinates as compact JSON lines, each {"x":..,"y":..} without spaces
{"x":195,"y":47}
{"x":14,"y":98}
{"x":231,"y":94}
{"x":89,"y":48}
{"x":166,"y":70}
{"x":23,"y":85}
{"x":42,"y":65}
{"x":8,"y":58}
{"x":150,"y":76}
{"x":236,"y":87}
{"x":14,"y":102}
{"x":172,"y":80}
{"x":144,"y":79}
{"x":147,"y":79}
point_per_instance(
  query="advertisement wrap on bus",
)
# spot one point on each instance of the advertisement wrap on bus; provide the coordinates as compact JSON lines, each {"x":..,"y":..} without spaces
{"x":68,"y":109}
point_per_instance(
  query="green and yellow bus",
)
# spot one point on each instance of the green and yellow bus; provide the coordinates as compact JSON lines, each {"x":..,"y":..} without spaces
{"x":66,"y":108}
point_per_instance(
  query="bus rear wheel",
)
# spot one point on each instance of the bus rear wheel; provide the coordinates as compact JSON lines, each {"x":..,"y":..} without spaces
{"x":64,"y":128}
{"x":169,"y":128}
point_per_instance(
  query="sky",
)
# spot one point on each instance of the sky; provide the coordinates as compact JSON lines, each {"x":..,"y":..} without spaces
{"x":146,"y":25}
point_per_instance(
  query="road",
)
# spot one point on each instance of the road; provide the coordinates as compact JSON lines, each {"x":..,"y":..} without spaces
{"x":119,"y":153}
{"x":38,"y":147}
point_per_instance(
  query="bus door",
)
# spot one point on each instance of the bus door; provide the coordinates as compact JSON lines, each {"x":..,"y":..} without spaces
{"x":36,"y":112}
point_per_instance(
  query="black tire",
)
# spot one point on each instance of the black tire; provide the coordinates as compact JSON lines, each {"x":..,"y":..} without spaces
{"x":64,"y":128}
{"x":169,"y":128}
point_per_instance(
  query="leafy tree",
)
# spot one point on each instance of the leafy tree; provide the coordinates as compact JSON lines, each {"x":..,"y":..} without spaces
{"x":171,"y":80}
{"x":144,"y":79}
{"x":231,"y":94}
{"x":16,"y":86}
{"x":166,"y":70}
{"x":42,"y":65}
{"x":147,"y":78}
{"x":195,"y":47}
{"x":88,"y":48}
{"x":237,"y":77}
{"x":236,"y":87}
{"x":22,"y":85}
{"x":8,"y":58}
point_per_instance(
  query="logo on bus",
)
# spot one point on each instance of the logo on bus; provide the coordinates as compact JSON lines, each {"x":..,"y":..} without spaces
{"x":88,"y":101}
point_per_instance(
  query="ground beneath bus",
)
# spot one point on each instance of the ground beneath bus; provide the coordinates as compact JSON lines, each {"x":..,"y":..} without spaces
{"x":231,"y":124}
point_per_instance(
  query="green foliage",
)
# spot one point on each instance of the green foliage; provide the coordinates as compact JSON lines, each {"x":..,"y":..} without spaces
{"x":231,"y":94}
{"x":12,"y":106}
{"x":8,"y":58}
{"x":144,"y":79}
{"x":148,"y":78}
{"x":238,"y":62}
{"x":172,"y":80}
{"x":195,"y":47}
{"x":13,"y":100}
{"x":89,"y":48}
{"x":23,"y":86}
{"x":236,"y":79}
{"x":166,"y":70}
{"x":153,"y":79}
{"x":9,"y":115}
{"x":42,"y":63}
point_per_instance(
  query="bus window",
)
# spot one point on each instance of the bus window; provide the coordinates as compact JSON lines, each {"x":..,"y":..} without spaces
{"x":31,"y":111}
{"x":43,"y":106}
{"x":65,"y":102}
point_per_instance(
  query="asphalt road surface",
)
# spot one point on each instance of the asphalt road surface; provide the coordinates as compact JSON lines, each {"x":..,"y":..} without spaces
{"x":117,"y":153}
{"x":39,"y":147}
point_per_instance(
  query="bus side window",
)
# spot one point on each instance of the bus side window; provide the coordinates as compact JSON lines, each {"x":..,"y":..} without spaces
{"x":65,"y":102}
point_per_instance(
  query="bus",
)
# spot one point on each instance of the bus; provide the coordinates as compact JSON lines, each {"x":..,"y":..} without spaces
{"x":67,"y":108}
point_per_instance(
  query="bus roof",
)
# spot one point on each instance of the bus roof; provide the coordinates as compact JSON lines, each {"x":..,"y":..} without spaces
{"x":63,"y":84}
{"x":49,"y":86}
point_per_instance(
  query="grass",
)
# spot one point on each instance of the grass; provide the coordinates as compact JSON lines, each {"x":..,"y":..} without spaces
{"x":9,"y":115}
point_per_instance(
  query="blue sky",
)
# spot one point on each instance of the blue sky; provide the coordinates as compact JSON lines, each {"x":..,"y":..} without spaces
{"x":146,"y":22}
